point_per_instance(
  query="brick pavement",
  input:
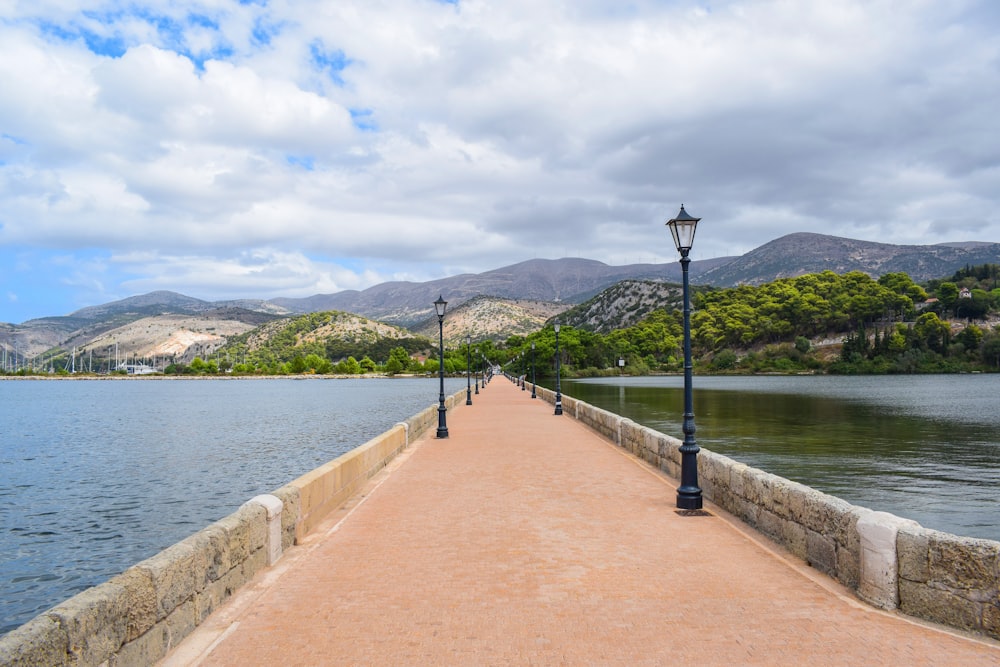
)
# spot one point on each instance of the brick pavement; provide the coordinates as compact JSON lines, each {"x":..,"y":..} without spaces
{"x":527,"y":539}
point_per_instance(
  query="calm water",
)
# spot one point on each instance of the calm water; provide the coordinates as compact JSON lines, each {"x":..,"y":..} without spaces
{"x":96,"y":476}
{"x":926,"y":447}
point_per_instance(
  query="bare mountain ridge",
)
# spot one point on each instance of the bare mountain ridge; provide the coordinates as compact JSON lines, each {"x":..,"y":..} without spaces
{"x":562,"y":283}
{"x":805,"y":252}
{"x":569,"y":280}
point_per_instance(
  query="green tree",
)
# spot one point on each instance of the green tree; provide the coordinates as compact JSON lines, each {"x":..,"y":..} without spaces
{"x":970,"y":337}
{"x":931,"y":333}
{"x":399,"y":359}
{"x":349,"y":366}
{"x":393,"y":366}
{"x":297,"y":365}
{"x":318,"y":364}
{"x":989,"y":349}
{"x":948,"y":296}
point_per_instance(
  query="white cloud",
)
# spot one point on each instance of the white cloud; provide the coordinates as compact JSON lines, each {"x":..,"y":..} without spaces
{"x":485,"y":133}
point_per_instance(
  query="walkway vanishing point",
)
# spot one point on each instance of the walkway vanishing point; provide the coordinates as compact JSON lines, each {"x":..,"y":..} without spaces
{"x":527,"y":539}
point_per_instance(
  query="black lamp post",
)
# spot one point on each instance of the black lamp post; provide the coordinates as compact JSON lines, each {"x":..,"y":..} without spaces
{"x":442,"y":431}
{"x":682,"y":228}
{"x":524,"y":371}
{"x":533,"y":395}
{"x":468,"y":368}
{"x":558,"y":385}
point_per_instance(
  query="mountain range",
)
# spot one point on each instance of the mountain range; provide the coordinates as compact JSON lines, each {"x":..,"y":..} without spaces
{"x":544,"y":288}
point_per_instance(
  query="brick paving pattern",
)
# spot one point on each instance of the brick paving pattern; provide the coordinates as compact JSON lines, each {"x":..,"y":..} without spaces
{"x":527,"y":539}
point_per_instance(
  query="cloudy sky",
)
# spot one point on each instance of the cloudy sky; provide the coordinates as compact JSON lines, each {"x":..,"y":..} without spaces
{"x":261,"y":148}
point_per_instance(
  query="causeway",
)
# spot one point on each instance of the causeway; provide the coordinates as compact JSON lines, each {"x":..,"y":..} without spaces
{"x":525,"y":538}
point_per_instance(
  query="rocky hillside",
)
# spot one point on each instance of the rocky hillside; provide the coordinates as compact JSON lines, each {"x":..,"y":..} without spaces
{"x":490,"y":318}
{"x":567,"y":281}
{"x":521,"y":296}
{"x":340,"y":326}
{"x":177,"y":337}
{"x":798,"y":254}
{"x":624,"y":304}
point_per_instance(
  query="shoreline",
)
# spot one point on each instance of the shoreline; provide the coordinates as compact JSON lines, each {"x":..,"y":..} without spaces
{"x":104,"y":378}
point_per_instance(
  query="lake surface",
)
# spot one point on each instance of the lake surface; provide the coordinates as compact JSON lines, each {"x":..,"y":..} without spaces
{"x":922,"y":447}
{"x":97,"y":475}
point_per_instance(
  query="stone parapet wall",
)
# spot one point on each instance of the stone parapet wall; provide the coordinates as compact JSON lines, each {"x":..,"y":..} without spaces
{"x":136,"y":617}
{"x":890,"y":562}
{"x":949,"y":579}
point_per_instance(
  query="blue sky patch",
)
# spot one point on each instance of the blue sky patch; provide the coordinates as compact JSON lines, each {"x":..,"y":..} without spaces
{"x":264,"y":31}
{"x":307,"y":162}
{"x":363,"y":120}
{"x":332,"y":62}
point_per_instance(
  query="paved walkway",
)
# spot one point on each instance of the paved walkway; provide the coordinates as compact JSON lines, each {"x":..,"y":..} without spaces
{"x":526,"y":539}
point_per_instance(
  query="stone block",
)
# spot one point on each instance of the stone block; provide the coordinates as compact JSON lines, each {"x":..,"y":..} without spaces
{"x":180,"y":623}
{"x":748,"y":512}
{"x":290,"y":513}
{"x":848,"y":567}
{"x":736,"y":477}
{"x":95,"y":622}
{"x":821,"y":553}
{"x":794,"y":538}
{"x":823,"y":513}
{"x":938,"y":605}
{"x":964,"y":564}
{"x":272,"y":508}
{"x":769,"y":524}
{"x":782,"y":494}
{"x":144,"y":650}
{"x":991,"y":619}
{"x":913,"y":561}
{"x":140,"y":601}
{"x":879,"y":583}
{"x":40,"y":641}
{"x":174,"y":575}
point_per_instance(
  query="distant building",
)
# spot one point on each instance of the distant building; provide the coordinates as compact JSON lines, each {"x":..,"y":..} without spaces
{"x":137,"y":369}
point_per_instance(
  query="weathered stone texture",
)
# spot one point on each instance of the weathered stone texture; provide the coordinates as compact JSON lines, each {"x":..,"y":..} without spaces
{"x":964,"y":564}
{"x":939,"y":605}
{"x":821,"y":553}
{"x":912,"y":546}
{"x":290,"y":513}
{"x":140,"y":601}
{"x":40,"y":641}
{"x":991,"y":619}
{"x":95,"y":622}
{"x":145,"y":650}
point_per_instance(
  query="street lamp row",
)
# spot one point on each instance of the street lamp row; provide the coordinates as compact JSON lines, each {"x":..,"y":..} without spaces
{"x":689,"y":496}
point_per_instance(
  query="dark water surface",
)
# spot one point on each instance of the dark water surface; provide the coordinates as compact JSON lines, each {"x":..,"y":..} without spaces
{"x":97,"y":475}
{"x":922,"y":447}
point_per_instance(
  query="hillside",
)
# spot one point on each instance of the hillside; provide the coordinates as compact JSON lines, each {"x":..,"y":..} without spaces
{"x":623,"y":305}
{"x":567,"y":281}
{"x":561,"y":283}
{"x":490,"y":318}
{"x":178,"y":337}
{"x":798,"y":254}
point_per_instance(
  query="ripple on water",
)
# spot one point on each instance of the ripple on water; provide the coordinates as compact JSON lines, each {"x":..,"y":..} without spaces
{"x":117,"y":471}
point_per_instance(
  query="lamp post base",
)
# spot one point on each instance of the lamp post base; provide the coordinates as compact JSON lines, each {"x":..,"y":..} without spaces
{"x":442,"y":430}
{"x":689,"y":500}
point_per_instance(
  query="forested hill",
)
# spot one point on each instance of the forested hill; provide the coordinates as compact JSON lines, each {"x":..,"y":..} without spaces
{"x":804,"y":252}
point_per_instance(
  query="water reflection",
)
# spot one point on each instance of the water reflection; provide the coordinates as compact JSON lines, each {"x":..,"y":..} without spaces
{"x":922,"y":448}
